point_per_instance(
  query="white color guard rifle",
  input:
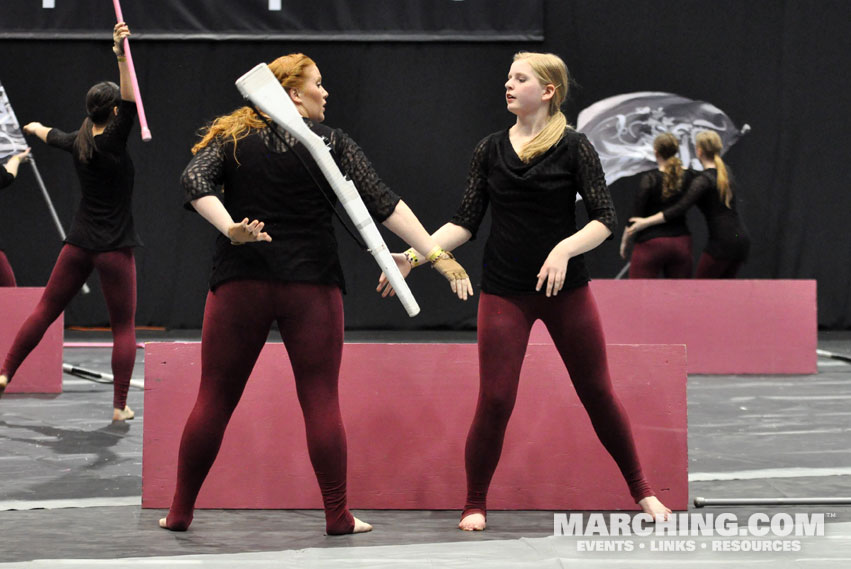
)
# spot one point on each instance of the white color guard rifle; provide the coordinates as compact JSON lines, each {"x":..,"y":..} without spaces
{"x":261,"y":87}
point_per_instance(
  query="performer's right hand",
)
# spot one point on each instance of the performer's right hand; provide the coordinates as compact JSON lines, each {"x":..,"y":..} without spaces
{"x":404,"y":267}
{"x":244,"y":232}
{"x":23,"y":156}
{"x":119,"y":32}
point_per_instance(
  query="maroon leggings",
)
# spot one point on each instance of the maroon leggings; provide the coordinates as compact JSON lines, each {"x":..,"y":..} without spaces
{"x":504,"y":324}
{"x":708,"y":267}
{"x":668,"y":256}
{"x":7,"y":275}
{"x":237,"y":319}
{"x":117,"y":271}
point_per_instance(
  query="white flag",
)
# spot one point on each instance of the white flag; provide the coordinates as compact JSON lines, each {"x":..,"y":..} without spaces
{"x":622,"y":129}
{"x":11,"y":138}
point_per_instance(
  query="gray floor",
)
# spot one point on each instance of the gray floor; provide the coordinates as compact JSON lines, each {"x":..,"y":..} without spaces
{"x":71,"y":482}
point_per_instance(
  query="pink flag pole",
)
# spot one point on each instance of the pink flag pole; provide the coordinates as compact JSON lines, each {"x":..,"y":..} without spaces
{"x":143,"y":121}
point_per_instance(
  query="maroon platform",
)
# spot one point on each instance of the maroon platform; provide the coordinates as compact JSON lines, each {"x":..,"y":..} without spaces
{"x":41,"y":372}
{"x":728,"y":326}
{"x":407,"y":409}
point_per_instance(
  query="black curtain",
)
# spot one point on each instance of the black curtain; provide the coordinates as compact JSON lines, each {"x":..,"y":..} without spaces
{"x":418,"y":109}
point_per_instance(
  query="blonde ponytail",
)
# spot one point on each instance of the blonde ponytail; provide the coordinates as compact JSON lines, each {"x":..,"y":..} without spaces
{"x":723,"y":182}
{"x":709,"y":142}
{"x":672,"y":178}
{"x":544,"y":140}
{"x":667,"y":146}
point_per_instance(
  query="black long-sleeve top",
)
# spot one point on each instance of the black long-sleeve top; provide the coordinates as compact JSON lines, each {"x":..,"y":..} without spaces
{"x":263,"y":179}
{"x":533,"y":207}
{"x":649,"y":201}
{"x":728,"y":238}
{"x":104,"y":219}
{"x":6,"y":178}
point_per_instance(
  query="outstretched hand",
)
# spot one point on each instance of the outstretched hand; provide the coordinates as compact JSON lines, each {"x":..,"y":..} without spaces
{"x":32,"y":127}
{"x":404,"y":267}
{"x":446,"y":265}
{"x":452,"y":270}
{"x":245,"y":232}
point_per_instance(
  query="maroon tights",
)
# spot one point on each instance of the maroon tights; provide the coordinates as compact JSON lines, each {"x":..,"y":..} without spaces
{"x":708,"y":267}
{"x":504,"y":324}
{"x":117,"y":271}
{"x":237,"y":318}
{"x":7,"y":275}
{"x":668,"y":256}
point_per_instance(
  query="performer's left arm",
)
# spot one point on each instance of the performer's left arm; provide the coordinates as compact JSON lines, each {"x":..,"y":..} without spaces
{"x":601,"y":213}
{"x":639,"y":205}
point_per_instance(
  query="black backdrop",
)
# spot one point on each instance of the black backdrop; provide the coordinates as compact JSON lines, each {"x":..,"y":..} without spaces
{"x":418,"y":109}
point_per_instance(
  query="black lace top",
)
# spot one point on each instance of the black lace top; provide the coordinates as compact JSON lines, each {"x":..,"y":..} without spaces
{"x":728,"y":238}
{"x":104,"y":220}
{"x":649,"y":201}
{"x":533,"y":207}
{"x":265,"y":180}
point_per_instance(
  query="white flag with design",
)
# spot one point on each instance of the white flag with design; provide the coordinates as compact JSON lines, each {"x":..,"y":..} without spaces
{"x":622,"y":129}
{"x":11,"y":138}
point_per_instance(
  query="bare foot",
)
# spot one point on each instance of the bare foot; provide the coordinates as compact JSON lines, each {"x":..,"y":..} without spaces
{"x":176,"y":527}
{"x":123,"y":414}
{"x":651,"y":505}
{"x":473,"y":521}
{"x":361,"y":527}
{"x":4,"y":381}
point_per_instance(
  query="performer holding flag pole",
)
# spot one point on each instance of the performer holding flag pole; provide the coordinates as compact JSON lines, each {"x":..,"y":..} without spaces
{"x":8,"y":173}
{"x":16,"y":144}
{"x":125,"y":48}
{"x":102,"y":235}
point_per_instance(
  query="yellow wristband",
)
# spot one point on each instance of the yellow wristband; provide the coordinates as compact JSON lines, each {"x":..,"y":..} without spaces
{"x":412,"y":257}
{"x":434,"y":254}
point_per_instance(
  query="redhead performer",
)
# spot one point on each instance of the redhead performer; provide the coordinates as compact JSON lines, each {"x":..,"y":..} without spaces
{"x":102,"y":235}
{"x":712,"y":192}
{"x":530,"y":175}
{"x":291,"y":276}
{"x":8,"y":173}
{"x":663,"y":249}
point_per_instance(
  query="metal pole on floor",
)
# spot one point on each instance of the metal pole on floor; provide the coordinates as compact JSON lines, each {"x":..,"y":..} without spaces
{"x":835,"y":356}
{"x":701,"y":502}
{"x":96,"y":376}
{"x":139,"y":345}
